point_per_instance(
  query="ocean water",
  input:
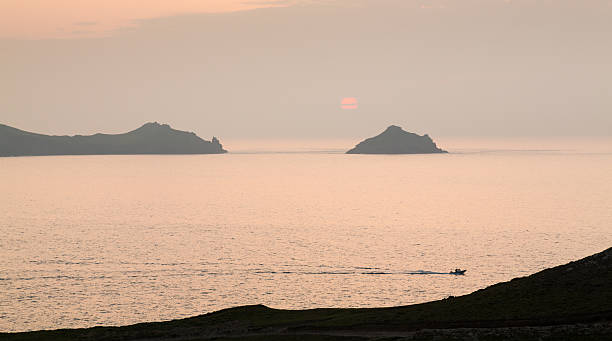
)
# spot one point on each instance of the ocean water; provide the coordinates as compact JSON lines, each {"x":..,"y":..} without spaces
{"x":115,"y":240}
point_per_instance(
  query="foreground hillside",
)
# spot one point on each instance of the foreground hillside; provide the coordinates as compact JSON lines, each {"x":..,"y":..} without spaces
{"x":151,"y":138}
{"x":568,"y":302}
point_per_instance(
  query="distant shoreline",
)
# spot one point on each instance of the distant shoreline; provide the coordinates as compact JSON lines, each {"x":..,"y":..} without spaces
{"x":150,"y":139}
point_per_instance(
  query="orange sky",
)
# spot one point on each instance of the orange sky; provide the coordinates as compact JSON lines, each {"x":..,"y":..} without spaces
{"x":32,"y":19}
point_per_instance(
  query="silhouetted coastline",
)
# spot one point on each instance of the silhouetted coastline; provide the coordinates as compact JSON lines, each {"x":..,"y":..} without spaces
{"x":394,"y":140}
{"x":151,"y":138}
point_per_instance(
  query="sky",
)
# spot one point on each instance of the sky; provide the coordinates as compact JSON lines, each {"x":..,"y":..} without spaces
{"x":308,"y":69}
{"x":35,"y":19}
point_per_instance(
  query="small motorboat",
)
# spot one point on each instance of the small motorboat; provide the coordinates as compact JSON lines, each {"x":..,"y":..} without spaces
{"x":458,"y":272}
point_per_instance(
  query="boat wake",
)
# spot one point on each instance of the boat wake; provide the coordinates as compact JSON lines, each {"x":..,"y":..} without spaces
{"x":357,"y":271}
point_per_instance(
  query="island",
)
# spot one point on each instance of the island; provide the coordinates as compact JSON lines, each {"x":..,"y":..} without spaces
{"x":151,"y":138}
{"x":394,"y":140}
{"x":567,"y":302}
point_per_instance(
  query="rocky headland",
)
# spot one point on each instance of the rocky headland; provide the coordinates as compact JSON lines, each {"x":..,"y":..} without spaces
{"x":394,"y":140}
{"x":151,"y":138}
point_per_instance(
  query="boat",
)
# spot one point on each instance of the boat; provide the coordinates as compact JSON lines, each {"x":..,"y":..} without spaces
{"x":458,"y":272}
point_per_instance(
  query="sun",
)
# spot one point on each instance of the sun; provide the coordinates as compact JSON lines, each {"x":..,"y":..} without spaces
{"x":349,"y":103}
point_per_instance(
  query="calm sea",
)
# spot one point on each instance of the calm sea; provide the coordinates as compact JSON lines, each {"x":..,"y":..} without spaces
{"x":115,"y":240}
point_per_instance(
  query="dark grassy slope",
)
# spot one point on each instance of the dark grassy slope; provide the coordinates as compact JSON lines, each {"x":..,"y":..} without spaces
{"x":578,"y":292}
{"x":151,"y":138}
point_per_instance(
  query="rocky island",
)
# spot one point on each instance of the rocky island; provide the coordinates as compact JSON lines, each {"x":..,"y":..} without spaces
{"x":567,"y":302}
{"x":151,"y":138}
{"x":394,"y":140}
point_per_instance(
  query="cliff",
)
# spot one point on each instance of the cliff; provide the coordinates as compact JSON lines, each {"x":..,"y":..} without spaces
{"x":151,"y":138}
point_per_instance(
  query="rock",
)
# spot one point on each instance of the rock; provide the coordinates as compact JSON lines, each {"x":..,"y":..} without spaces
{"x":151,"y":138}
{"x":394,"y":140}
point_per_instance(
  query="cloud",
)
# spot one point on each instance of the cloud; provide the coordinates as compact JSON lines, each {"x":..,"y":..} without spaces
{"x":36,"y":19}
{"x":439,"y":6}
{"x":81,"y":32}
{"x":270,"y":2}
{"x":480,"y":68}
{"x":86,"y":23}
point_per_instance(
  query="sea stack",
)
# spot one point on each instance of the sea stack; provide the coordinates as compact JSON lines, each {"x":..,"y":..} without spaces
{"x":394,"y":140}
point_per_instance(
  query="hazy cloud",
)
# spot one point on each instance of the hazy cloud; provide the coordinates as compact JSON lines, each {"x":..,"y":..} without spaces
{"x":81,"y":32}
{"x":270,"y":2}
{"x":86,"y":23}
{"x":482,"y":68}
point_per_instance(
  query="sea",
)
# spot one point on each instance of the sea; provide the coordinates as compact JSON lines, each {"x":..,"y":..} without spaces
{"x":116,"y":240}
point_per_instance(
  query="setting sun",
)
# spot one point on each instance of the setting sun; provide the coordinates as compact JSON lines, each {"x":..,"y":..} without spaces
{"x":349,"y":103}
{"x":182,"y":169}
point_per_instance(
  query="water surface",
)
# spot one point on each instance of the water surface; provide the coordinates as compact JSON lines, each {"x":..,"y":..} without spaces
{"x":114,"y":240}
